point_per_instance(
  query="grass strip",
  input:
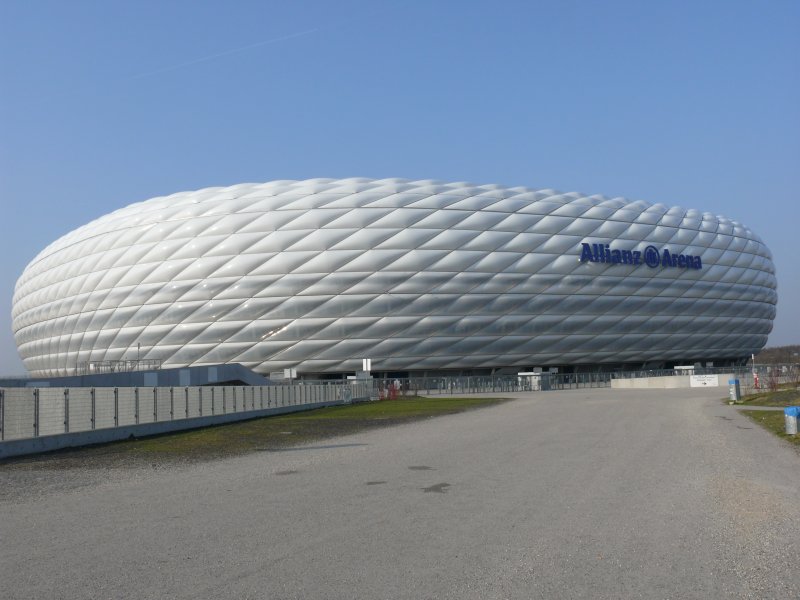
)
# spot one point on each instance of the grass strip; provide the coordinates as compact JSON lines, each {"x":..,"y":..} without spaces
{"x":785,"y":397}
{"x":773,"y":421}
{"x":262,"y":434}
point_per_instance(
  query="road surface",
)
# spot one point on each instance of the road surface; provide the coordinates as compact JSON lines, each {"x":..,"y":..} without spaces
{"x":574,"y":494}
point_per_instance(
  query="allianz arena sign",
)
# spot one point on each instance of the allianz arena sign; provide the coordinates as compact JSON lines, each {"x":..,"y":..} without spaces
{"x":650,"y":256}
{"x":418,"y":275}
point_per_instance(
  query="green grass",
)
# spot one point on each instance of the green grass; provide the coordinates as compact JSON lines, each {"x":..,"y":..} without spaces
{"x":408,"y":406}
{"x":262,"y":434}
{"x":292,"y":429}
{"x":783,"y":397}
{"x":773,"y":421}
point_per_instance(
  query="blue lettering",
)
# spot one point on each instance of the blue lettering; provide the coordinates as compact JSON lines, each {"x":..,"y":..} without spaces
{"x":652,"y":257}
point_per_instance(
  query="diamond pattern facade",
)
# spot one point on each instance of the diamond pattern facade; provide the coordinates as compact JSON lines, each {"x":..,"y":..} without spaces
{"x":417,"y":275}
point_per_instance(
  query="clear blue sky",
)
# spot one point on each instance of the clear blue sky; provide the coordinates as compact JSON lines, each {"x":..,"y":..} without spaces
{"x":695,"y":104}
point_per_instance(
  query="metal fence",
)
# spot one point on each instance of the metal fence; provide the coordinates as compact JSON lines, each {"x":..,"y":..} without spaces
{"x":489,"y":384}
{"x":766,"y":377}
{"x":35,"y":412}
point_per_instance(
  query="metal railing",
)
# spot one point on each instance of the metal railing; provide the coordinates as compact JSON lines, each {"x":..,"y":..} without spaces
{"x":768,"y":378}
{"x":488,"y":384}
{"x":117,"y":366}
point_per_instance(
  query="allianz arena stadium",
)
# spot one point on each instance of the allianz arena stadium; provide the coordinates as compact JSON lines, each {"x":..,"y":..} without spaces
{"x":419,"y":276}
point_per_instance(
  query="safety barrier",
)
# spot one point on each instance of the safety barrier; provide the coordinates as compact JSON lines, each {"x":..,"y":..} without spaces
{"x":39,"y":419}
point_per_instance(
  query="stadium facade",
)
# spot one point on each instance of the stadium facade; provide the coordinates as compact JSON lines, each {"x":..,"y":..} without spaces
{"x":419,"y":276}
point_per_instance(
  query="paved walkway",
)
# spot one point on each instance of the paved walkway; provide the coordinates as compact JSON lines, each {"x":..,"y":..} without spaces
{"x":575,"y":494}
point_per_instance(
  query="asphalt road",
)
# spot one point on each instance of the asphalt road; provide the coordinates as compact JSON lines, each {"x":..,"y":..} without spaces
{"x":581,"y":494}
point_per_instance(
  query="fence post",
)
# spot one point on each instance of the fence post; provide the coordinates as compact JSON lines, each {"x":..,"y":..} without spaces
{"x":116,"y":407}
{"x":155,"y":405}
{"x":186,"y":393}
{"x":224,"y":402}
{"x":2,"y":415}
{"x":136,"y":404}
{"x":261,"y":395}
{"x":212,"y":400}
{"x":200,"y":400}
{"x":66,"y":410}
{"x":171,"y":403}
{"x":94,"y":407}
{"x":36,"y":412}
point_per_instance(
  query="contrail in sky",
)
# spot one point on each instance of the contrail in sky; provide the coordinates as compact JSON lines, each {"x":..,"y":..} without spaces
{"x":226,"y":53}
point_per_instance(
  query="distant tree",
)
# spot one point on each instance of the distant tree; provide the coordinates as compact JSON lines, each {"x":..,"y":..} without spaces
{"x":779,"y":355}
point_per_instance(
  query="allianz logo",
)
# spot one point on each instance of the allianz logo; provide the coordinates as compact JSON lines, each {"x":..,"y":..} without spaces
{"x":650,"y":256}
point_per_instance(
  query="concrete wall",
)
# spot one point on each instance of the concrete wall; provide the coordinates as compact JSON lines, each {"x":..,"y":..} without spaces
{"x":676,"y":381}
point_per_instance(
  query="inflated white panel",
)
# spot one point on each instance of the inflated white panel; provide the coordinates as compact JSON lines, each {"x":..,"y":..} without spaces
{"x":317,"y":274}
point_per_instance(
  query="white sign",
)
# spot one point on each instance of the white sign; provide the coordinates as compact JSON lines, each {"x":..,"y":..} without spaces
{"x":285,"y":374}
{"x":704,"y":380}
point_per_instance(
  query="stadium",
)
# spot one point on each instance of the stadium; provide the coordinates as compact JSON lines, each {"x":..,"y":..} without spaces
{"x":420,"y":277}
